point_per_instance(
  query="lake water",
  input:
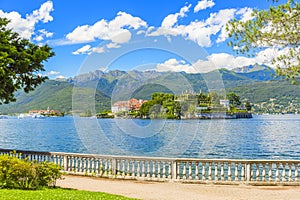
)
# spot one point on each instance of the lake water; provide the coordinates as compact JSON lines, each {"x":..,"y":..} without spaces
{"x":262,"y":137}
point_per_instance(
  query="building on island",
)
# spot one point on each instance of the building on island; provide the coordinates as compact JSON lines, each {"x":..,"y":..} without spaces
{"x":225,"y":103}
{"x":125,"y":106}
{"x":46,"y":112}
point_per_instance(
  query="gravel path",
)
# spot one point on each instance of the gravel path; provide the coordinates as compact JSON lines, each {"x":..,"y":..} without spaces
{"x":157,"y":190}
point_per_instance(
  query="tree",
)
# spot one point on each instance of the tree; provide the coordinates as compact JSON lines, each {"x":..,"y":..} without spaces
{"x":248,"y":106}
{"x":234,"y":99}
{"x":20,"y":63}
{"x":278,"y":28}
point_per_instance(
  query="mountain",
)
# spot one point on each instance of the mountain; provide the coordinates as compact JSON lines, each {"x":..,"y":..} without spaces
{"x":257,"y":72}
{"x":252,"y":83}
{"x":270,"y":96}
{"x":56,"y":95}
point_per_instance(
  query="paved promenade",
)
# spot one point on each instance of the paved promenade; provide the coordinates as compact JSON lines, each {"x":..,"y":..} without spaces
{"x":155,"y":190}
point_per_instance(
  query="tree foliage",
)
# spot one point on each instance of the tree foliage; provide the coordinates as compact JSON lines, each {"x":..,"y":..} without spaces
{"x":161,"y":106}
{"x":234,"y":99}
{"x":278,"y":28}
{"x":16,"y":173}
{"x":20,"y":63}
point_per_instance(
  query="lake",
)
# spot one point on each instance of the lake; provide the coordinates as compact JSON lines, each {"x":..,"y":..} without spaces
{"x":262,"y":137}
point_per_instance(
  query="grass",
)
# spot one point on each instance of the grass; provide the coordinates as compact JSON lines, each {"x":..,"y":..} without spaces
{"x":57,"y":193}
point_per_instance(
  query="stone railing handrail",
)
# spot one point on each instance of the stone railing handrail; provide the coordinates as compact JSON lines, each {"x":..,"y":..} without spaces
{"x":171,"y":169}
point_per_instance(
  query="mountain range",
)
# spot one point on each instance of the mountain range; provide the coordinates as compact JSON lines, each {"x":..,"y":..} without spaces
{"x":256,"y":84}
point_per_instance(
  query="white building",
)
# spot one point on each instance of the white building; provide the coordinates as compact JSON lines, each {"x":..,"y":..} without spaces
{"x":225,"y":103}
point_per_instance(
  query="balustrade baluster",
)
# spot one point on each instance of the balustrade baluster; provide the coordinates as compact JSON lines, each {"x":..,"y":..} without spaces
{"x":190,"y":170}
{"x":110,"y":167}
{"x":203,"y":171}
{"x":128,"y":168}
{"x":75,"y":164}
{"x":277,"y":178}
{"x":164,"y":169}
{"x":88,"y":167}
{"x":133,"y":168}
{"x":143,"y":169}
{"x":148,"y":169}
{"x":93,"y":165}
{"x":196,"y":171}
{"x":296,"y":173}
{"x":153,"y":169}
{"x":79,"y":164}
{"x":257,"y":173}
{"x":209,"y":171}
{"x":242,"y":172}
{"x":184,"y":171}
{"x":229,"y":172}
{"x":216,"y":172}
{"x":270,"y":172}
{"x":170,"y":170}
{"x":100,"y":167}
{"x":236,"y":172}
{"x":123,"y":167}
{"x":74,"y":167}
{"x":84,"y":166}
{"x":263,"y":172}
{"x":283,"y":173}
{"x":222,"y":171}
{"x":158,"y":169}
{"x":118,"y":167}
{"x":178,"y":169}
{"x":290,"y":172}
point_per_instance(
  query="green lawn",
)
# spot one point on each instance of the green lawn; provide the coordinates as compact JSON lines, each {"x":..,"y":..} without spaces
{"x":59,"y":194}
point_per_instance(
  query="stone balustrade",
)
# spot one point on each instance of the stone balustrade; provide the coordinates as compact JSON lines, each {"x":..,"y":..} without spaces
{"x":172,"y":169}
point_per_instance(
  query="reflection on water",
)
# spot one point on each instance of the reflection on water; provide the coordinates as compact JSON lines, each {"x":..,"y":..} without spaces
{"x":264,"y":137}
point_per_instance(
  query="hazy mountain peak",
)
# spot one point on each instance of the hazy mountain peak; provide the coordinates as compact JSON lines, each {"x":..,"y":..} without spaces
{"x":250,"y":68}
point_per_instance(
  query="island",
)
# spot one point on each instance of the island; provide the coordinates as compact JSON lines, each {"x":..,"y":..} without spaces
{"x":187,"y":105}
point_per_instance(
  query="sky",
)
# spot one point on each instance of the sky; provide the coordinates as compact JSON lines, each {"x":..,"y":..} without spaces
{"x":157,"y":35}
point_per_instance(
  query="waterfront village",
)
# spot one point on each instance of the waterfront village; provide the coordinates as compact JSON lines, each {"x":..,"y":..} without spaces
{"x":42,"y":114}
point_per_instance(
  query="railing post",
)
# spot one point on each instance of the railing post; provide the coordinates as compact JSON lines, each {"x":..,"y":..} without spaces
{"x":65,"y":162}
{"x":248,"y":172}
{"x":114,"y":166}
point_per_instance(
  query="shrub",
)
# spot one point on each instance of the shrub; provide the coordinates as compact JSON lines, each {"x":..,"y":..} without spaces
{"x":23,"y":174}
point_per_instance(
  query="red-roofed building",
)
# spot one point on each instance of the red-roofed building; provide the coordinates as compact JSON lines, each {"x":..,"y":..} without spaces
{"x":131,"y":104}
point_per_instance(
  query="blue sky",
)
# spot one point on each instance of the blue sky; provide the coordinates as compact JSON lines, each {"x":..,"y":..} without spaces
{"x":90,"y":35}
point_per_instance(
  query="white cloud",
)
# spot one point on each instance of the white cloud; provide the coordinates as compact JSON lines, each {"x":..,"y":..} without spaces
{"x":39,"y":38}
{"x":172,"y":19}
{"x":53,"y":73}
{"x":60,"y":77}
{"x":203,"y":4}
{"x":175,"y":65}
{"x":123,"y":36}
{"x":113,"y":45}
{"x":116,"y":30}
{"x":83,"y":50}
{"x":202,"y":31}
{"x":98,"y":49}
{"x":243,"y":14}
{"x":88,"y":49}
{"x":43,"y":14}
{"x":221,"y":60}
{"x":26,"y":26}
{"x":42,"y":34}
